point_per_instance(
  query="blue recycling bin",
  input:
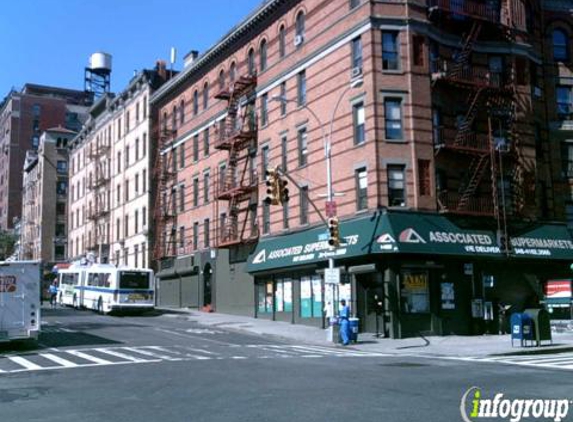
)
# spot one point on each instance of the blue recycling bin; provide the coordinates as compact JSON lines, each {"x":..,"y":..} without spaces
{"x":521,"y":328}
{"x":353,"y":325}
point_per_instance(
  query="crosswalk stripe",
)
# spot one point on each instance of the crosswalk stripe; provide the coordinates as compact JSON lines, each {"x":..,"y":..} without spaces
{"x":150,"y":354}
{"x":550,"y":361}
{"x":89,"y":357}
{"x":120,"y":355}
{"x":58,"y":360}
{"x":24,"y":362}
{"x":316,"y":349}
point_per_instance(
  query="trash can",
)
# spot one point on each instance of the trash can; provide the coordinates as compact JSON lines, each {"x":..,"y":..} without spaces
{"x":521,"y":328}
{"x":541,"y":325}
{"x":353,"y":325}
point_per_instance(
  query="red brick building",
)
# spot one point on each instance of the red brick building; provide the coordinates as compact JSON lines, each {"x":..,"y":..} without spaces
{"x":441,"y":165}
{"x":24,"y":115}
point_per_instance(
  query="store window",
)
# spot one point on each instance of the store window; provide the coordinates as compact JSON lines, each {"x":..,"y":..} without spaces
{"x":311,"y":297}
{"x":265,"y":297}
{"x":283,"y":295}
{"x":414,"y":292}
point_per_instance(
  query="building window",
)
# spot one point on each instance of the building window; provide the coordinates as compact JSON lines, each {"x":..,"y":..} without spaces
{"x":232,"y":72}
{"x":264,"y":161}
{"x":390,"y":50}
{"x":174,"y":160}
{"x":206,"y":233}
{"x":136,"y":221}
{"x":182,"y":198}
{"x":301,"y":88}
{"x":195,"y":235}
{"x":263,"y":55}
{"x":285,"y":216}
{"x":354,"y":3}
{"x":418,"y":46}
{"x":196,"y":148}
{"x":283,"y":96}
{"x":137,"y":149}
{"x":564,"y":102}
{"x":567,"y":160}
{"x":358,"y":121}
{"x":182,"y":112}
{"x":284,"y":153}
{"x":119,"y":128}
{"x":143,"y":256}
{"x":302,"y":147}
{"x":251,"y":62}
{"x":206,"y":187}
{"x":206,"y":96}
{"x":144,"y":181}
{"x":136,"y":255}
{"x":393,"y":118}
{"x":415,"y":292}
{"x":266,"y":218}
{"x":144,"y":107}
{"x":174,"y":118}
{"x":357,"y":53}
{"x":560,"y":45}
{"x":144,"y":217}
{"x":282,"y":41}
{"x":264,"y":109}
{"x":182,"y":155}
{"x":299,"y":26}
{"x":206,"y":142}
{"x":137,"y":184}
{"x":62,"y":167}
{"x":137,"y":112}
{"x":195,"y":103}
{"x":118,"y":194}
{"x":118,"y":162}
{"x":304,"y":205}
{"x":144,"y":145}
{"x":126,"y":190}
{"x":182,"y":237}
{"x":361,"y":188}
{"x":126,"y":226}
{"x":62,"y":188}
{"x":424,"y":177}
{"x":196,"y":192}
{"x":222,"y":79}
{"x":126,"y":156}
{"x":396,"y":186}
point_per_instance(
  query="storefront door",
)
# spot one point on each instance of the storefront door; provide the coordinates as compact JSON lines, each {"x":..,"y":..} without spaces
{"x":368,"y":296}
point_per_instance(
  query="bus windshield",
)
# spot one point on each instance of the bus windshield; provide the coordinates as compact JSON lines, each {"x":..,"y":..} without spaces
{"x":69,"y":278}
{"x":133,"y":280}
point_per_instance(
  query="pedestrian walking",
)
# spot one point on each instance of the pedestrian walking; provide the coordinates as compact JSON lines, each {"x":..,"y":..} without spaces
{"x":343,"y":318}
{"x":53,"y":289}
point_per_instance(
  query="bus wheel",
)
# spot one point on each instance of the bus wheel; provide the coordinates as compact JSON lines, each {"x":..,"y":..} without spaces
{"x":100,"y":306}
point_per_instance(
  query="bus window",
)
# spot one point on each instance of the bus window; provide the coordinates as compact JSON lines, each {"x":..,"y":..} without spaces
{"x":133,"y":280}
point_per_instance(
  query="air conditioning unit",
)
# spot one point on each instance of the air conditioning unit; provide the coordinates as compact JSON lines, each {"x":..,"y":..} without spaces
{"x":356,"y":72}
{"x":298,"y":40}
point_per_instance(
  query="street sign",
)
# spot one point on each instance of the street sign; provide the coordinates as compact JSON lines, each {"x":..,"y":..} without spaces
{"x":330,"y":209}
{"x":332,"y":276}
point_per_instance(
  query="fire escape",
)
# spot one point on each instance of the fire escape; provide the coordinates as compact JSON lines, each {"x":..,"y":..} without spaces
{"x":165,"y":212}
{"x":237,"y":185}
{"x":490,"y":89}
{"x":98,"y":183}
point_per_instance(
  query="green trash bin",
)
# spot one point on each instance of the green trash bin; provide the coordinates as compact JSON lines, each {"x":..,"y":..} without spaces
{"x":541,"y":325}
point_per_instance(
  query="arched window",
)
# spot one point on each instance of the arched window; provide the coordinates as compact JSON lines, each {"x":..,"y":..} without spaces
{"x":182,"y":112}
{"x":251,"y":61}
{"x":221,"y":79}
{"x":195,"y":102}
{"x":282,"y":41}
{"x":300,"y":25}
{"x":232,"y":72}
{"x":164,"y":122}
{"x":174,"y":118}
{"x":263,"y":55}
{"x":560,"y":45}
{"x":205,"y":95}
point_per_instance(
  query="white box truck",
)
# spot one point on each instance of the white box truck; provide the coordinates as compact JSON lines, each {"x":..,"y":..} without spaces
{"x":19,"y":300}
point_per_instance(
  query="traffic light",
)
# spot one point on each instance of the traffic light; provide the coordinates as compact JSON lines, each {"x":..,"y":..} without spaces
{"x":283,"y":191}
{"x":334,"y":232}
{"x":273,"y":187}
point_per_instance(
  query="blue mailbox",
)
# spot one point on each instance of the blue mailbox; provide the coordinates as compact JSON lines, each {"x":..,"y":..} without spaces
{"x":521,"y":328}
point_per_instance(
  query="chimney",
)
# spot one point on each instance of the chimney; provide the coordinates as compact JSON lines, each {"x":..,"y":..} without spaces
{"x":190,"y":58}
{"x":161,"y":68}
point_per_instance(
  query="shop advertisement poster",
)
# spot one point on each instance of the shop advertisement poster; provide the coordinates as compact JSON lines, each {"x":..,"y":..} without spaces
{"x":448,"y":296}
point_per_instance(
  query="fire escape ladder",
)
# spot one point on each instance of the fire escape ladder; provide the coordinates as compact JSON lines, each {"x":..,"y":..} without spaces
{"x":462,"y":58}
{"x":465,"y":128}
{"x":476,"y":172}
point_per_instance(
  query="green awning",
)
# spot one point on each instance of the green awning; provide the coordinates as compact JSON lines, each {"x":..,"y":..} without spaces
{"x":406,"y":232}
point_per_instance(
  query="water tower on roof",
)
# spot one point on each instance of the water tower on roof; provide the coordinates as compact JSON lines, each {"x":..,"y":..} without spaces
{"x":97,"y":74}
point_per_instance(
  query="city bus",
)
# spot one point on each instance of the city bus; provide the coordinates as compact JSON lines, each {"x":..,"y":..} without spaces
{"x":105,"y":288}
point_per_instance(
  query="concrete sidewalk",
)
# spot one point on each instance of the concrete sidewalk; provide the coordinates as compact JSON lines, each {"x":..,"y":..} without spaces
{"x":458,"y":346}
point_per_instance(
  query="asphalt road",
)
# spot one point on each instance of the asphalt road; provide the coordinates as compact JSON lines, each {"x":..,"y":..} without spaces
{"x":166,"y":367}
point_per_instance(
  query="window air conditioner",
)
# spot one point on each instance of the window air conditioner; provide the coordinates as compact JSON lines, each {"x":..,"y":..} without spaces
{"x":298,"y":40}
{"x":356,"y":72}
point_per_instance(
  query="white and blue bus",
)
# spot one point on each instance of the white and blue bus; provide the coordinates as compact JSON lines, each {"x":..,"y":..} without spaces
{"x":105,"y":288}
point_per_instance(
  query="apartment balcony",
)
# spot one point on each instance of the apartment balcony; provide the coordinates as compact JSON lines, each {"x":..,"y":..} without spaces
{"x":451,"y":139}
{"x":99,"y":151}
{"x":97,"y":212}
{"x":467,"y":75}
{"x":475,"y":205}
{"x":481,"y":10}
{"x":99,"y":180}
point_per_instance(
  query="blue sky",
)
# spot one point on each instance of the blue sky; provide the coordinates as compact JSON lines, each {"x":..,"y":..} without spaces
{"x":49,"y":42}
